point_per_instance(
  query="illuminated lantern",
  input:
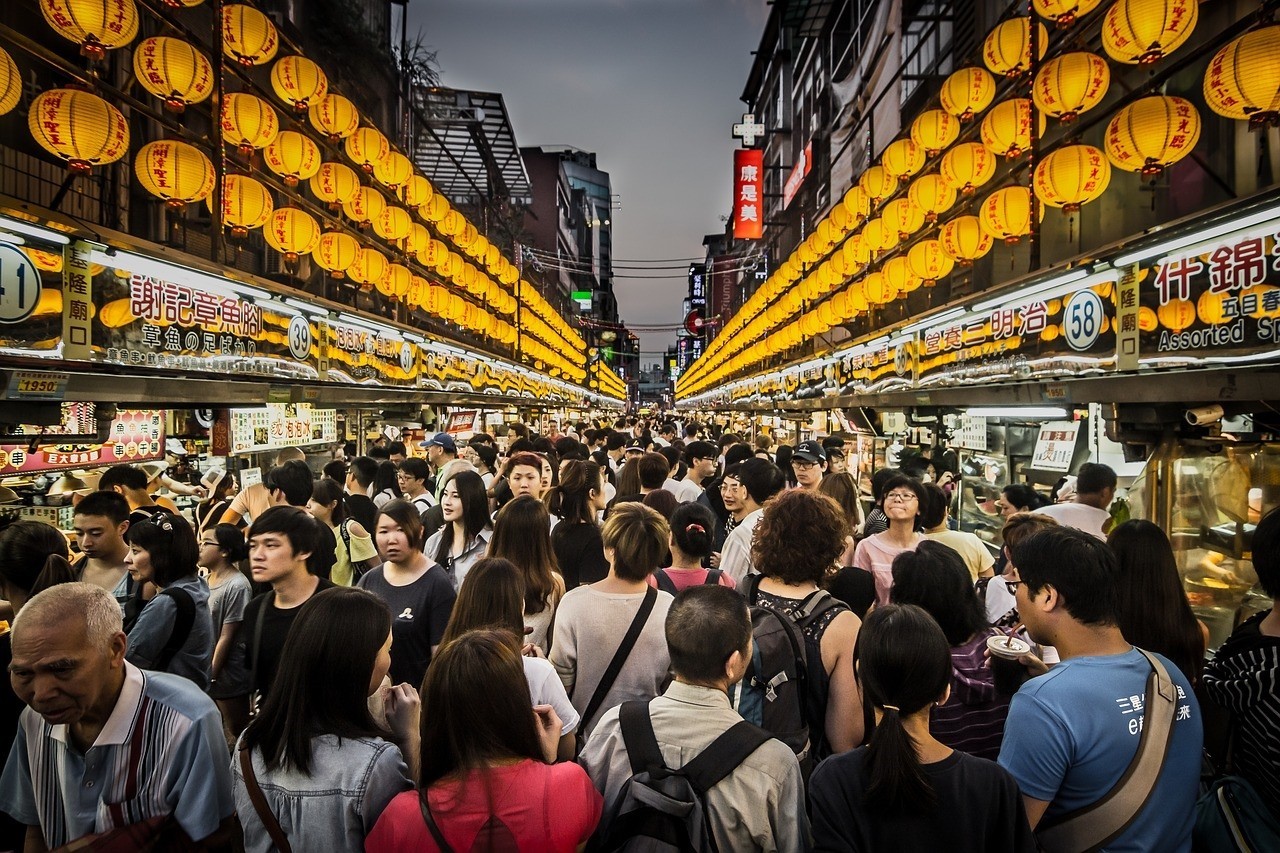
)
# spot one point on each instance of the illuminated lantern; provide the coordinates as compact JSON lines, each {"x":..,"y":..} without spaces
{"x":841,"y":221}
{"x":929,"y":262}
{"x":334,"y":116}
{"x":469,"y":234}
{"x":878,"y":184}
{"x":878,"y":290}
{"x":1071,"y":84}
{"x":1243,"y":79}
{"x":964,"y":240}
{"x":902,"y":159}
{"x":368,"y":268}
{"x":1007,"y":49}
{"x":96,"y":25}
{"x":294,"y":157}
{"x":822,"y":236}
{"x":46,"y":262}
{"x":1063,"y":12}
{"x":1006,"y":130}
{"x":292,"y":232}
{"x":248,"y":122}
{"x":418,"y":287}
{"x":967,"y":92}
{"x":1147,"y":320}
{"x":855,"y":251}
{"x":79,"y":127}
{"x":415,"y":191}
{"x":364,"y":206}
{"x":335,"y":184}
{"x":417,"y":240}
{"x":394,"y":283}
{"x":898,"y":275}
{"x":879,"y":236}
{"x":856,"y":202}
{"x":452,"y":224}
{"x":934,"y":130}
{"x":904,"y":216}
{"x":1144,"y":31}
{"x":298,"y":81}
{"x":1176,"y":314}
{"x":393,"y":170}
{"x":1152,"y":133}
{"x":248,"y":36}
{"x":174,"y":171}
{"x":932,"y":195}
{"x":1072,"y":176}
{"x":10,"y":83}
{"x":1006,"y":214}
{"x":967,"y":167}
{"x":434,"y":208}
{"x":171,"y":69}
{"x":245,"y":204}
{"x":434,"y":255}
{"x":392,"y":223}
{"x":367,"y":147}
{"x":336,"y":252}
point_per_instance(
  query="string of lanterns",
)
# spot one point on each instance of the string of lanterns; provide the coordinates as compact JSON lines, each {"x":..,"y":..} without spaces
{"x":846,"y":261}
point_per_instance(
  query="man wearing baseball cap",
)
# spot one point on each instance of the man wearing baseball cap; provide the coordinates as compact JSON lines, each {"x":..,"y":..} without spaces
{"x":809,"y":462}
{"x":441,"y":450}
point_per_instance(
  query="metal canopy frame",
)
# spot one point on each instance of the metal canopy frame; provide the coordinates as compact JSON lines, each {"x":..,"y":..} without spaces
{"x":465,"y":146}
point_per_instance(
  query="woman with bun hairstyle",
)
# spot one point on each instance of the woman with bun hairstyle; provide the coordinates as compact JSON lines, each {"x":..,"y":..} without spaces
{"x":222,"y":548}
{"x":905,"y":790}
{"x":692,"y":539}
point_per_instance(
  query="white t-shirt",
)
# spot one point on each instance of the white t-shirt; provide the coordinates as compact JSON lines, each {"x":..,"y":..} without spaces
{"x":1090,"y":519}
{"x":545,"y":688}
{"x":687,"y":490}
{"x":735,"y":556}
{"x":672,"y":486}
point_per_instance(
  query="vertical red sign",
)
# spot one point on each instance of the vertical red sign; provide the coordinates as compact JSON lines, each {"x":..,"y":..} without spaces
{"x":748,"y":194}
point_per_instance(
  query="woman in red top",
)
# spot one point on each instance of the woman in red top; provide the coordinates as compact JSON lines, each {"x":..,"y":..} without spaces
{"x":488,"y":781}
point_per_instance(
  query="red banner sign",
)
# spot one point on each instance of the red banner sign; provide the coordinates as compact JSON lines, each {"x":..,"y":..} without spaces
{"x":798,"y":173}
{"x":748,"y":194}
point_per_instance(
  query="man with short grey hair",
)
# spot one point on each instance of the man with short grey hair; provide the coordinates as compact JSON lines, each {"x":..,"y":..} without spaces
{"x":103,"y":745}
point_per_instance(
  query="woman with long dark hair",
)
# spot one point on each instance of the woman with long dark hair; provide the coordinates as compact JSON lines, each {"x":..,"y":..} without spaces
{"x":386,"y":484}
{"x":843,"y":489}
{"x":488,"y":781}
{"x":522,"y":535}
{"x":577,"y":542}
{"x":353,"y":545}
{"x":222,"y":548}
{"x":1153,"y":610}
{"x":464,"y":538}
{"x":906,"y":790}
{"x":325,"y":768}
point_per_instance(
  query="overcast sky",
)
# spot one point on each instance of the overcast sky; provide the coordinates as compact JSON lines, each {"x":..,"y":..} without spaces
{"x":651,"y":86}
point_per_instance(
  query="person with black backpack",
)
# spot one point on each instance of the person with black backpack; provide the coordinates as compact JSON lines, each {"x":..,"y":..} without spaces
{"x":692,"y":538}
{"x":684,"y":771}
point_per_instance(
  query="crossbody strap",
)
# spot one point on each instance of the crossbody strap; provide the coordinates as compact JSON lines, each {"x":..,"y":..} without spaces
{"x":665,"y":583}
{"x":638,"y":737}
{"x":432,"y":827}
{"x":1102,"y":822}
{"x":260,"y":806}
{"x":724,"y":755}
{"x":619,"y":657}
{"x":183,"y":620}
{"x":257,"y":638}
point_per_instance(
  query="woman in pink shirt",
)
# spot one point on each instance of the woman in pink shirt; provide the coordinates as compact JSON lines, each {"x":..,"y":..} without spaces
{"x":691,"y":542}
{"x":902,"y":499}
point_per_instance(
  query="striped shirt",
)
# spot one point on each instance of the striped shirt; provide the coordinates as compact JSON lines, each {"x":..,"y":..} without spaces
{"x":972,"y":720}
{"x":179,"y":765}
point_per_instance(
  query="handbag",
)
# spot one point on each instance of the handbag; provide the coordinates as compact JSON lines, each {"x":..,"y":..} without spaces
{"x":268,"y":817}
{"x":615,"y":665}
{"x":1230,"y":815}
{"x":359,"y":568}
{"x":1100,"y":823}
{"x":432,"y":827}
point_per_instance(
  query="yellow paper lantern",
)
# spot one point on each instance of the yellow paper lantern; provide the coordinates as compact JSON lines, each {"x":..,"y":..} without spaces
{"x":1147,"y":320}
{"x":10,"y":83}
{"x":248,"y":122}
{"x":1064,"y":13}
{"x":452,"y":224}
{"x":967,"y":92}
{"x":964,"y":240}
{"x":932,"y":195}
{"x":904,"y":216}
{"x":334,"y":116}
{"x":899,"y":276}
{"x":1006,"y":214}
{"x":174,"y":171}
{"x":855,"y":201}
{"x":878,"y":184}
{"x":245,"y":204}
{"x":1007,"y":48}
{"x":468,"y":236}
{"x":929,"y":262}
{"x":418,"y":287}
{"x":364,"y":206}
{"x":879,"y":236}
{"x":294,"y":157}
{"x":417,"y":240}
{"x":1143,"y":31}
{"x":1176,"y":314}
{"x":392,"y":223}
{"x":1152,"y":133}
{"x":395,"y":282}
{"x":902,"y":159}
{"x":856,"y":252}
{"x":368,"y":268}
{"x":393,"y":171}
{"x":336,"y":252}
{"x":435,"y":208}
{"x":1243,"y":78}
{"x":967,"y":167}
{"x":434,"y":255}
{"x":878,"y":290}
{"x":299,"y":81}
{"x":1071,"y":84}
{"x":248,"y":36}
{"x":367,"y":147}
{"x":934,"y":130}
{"x":1072,"y":176}
{"x":335,"y":184}
{"x":292,"y":232}
{"x":841,"y":221}
{"x":1006,"y":130}
{"x":173,"y":70}
{"x":96,"y":26}
{"x":79,"y":127}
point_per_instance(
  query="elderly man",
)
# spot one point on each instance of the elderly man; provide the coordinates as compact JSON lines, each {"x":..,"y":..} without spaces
{"x":104,"y":745}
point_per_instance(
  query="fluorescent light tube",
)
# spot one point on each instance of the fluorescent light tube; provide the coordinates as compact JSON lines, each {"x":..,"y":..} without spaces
{"x":1045,"y":412}
{"x":1207,"y":235}
{"x":17,"y":226}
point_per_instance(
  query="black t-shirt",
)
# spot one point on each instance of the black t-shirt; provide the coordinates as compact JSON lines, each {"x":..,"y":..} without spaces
{"x":419,"y":613}
{"x":978,"y":809}
{"x":579,"y":551}
{"x":275,"y":627}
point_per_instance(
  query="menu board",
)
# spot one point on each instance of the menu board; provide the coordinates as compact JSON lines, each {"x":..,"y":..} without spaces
{"x":279,"y":425}
{"x":135,"y":435}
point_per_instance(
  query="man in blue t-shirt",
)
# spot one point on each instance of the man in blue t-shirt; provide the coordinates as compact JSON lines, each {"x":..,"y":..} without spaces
{"x":1072,"y":733}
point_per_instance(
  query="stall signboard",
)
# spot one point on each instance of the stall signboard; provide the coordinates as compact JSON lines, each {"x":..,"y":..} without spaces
{"x":360,"y":355}
{"x":1055,"y":446}
{"x":277,"y":425}
{"x":461,"y":422}
{"x":135,"y":435}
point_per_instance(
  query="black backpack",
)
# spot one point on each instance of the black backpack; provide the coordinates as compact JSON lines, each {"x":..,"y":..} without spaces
{"x":666,"y":584}
{"x":786,"y":686}
{"x":659,"y":810}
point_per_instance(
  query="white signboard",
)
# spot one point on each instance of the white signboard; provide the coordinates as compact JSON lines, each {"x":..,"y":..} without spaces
{"x":1055,"y":445}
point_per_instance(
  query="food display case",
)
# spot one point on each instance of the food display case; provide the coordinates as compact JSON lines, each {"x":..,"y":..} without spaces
{"x":1006,"y":458}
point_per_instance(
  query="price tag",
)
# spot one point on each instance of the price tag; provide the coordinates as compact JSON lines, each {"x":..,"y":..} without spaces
{"x":35,"y":385}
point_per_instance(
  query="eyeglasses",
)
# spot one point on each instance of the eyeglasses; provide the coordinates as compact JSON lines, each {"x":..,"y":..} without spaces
{"x":1012,"y":586}
{"x":803,"y":465}
{"x":901,"y":497}
{"x":204,"y":544}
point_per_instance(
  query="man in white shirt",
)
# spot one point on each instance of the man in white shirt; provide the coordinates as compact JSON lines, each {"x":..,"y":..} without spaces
{"x":746,"y":488}
{"x":700,"y":457}
{"x":1087,"y":511}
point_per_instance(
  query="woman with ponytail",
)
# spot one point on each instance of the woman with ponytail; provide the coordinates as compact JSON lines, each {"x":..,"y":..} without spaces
{"x":905,"y":790}
{"x":692,"y":528}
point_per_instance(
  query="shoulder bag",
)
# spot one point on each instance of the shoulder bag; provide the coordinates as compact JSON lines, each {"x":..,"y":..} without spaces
{"x":268,"y":817}
{"x":619,"y":658}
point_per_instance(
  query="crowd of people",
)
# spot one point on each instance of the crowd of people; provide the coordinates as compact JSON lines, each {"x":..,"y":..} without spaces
{"x":614,"y":633}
